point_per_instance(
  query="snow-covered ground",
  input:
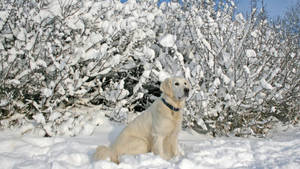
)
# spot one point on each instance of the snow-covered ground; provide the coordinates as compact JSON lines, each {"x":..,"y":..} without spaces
{"x":282,"y":150}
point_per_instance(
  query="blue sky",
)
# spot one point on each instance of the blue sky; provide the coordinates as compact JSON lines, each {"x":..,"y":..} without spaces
{"x":274,"y":8}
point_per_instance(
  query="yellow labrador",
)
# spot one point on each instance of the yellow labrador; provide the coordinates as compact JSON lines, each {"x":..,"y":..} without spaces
{"x":156,"y":129}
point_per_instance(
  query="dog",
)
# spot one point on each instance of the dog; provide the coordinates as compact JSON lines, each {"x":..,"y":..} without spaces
{"x":156,"y":129}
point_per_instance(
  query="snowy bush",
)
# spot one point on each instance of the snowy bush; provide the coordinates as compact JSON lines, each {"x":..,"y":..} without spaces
{"x":60,"y":55}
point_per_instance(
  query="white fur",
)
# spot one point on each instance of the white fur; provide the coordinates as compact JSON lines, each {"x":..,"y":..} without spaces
{"x":155,"y":130}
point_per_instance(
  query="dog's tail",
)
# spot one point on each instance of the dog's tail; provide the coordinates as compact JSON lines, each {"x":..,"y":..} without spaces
{"x":106,"y":153}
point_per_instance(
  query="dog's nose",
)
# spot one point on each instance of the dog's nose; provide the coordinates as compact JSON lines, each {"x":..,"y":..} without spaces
{"x":186,"y":91}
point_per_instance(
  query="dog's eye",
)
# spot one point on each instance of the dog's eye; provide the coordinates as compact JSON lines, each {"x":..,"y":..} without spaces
{"x":176,"y":84}
{"x":185,"y":83}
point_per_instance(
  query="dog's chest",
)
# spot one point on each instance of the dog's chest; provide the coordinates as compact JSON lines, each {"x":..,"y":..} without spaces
{"x":176,"y":117}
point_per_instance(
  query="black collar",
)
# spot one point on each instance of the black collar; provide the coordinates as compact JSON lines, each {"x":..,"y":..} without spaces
{"x":169,"y":105}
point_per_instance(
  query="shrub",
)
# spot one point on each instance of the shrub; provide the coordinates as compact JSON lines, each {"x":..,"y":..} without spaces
{"x":60,"y":55}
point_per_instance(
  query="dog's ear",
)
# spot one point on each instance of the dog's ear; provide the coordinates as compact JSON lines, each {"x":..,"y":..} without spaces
{"x":166,"y":86}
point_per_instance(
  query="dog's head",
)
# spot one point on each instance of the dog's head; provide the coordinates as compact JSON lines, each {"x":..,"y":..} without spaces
{"x":176,"y":88}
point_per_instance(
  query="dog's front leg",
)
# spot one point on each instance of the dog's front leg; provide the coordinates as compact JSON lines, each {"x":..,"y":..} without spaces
{"x":157,"y":147}
{"x":175,"y":149}
{"x":174,"y":146}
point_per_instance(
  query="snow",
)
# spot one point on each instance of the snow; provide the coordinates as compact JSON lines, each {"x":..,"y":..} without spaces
{"x":168,"y":40}
{"x":265,"y":84}
{"x":3,"y":17}
{"x":240,"y":18}
{"x":279,"y":150}
{"x":14,"y":82}
{"x":46,"y":92}
{"x":93,"y":37}
{"x":246,"y":69}
{"x":250,"y":53}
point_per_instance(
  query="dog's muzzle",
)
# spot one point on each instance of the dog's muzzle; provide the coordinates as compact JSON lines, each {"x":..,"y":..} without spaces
{"x":186,"y":92}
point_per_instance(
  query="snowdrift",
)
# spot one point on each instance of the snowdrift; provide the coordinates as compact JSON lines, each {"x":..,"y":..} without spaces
{"x":282,"y":150}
